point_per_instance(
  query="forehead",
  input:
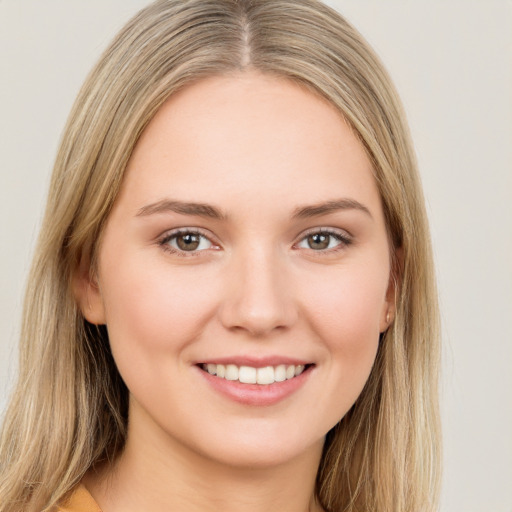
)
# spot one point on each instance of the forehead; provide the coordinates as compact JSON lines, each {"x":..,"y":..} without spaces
{"x":248,"y":136}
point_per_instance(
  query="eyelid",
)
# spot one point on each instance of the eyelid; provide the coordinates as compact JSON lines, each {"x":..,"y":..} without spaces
{"x":172,"y":233}
{"x":344,"y":237}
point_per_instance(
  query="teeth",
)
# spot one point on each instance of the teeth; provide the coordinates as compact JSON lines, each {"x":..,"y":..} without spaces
{"x":280,"y":373}
{"x":265,"y":375}
{"x":250,"y":375}
{"x":298,"y":369}
{"x":231,"y":372}
{"x":247,"y":375}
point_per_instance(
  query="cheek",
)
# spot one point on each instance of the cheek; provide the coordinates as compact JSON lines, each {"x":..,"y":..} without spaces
{"x":347,"y":305}
{"x":151,"y":309}
{"x":345,"y":314}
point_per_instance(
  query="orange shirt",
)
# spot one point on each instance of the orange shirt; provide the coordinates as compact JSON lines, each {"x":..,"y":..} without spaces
{"x":79,"y":501}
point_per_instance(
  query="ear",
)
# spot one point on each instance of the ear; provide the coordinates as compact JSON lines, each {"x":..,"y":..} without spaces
{"x":87,"y":293}
{"x":389,"y":310}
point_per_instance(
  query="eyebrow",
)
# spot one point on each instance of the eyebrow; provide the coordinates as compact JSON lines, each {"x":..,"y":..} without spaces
{"x":184,"y":208}
{"x":315,"y":210}
{"x":207,"y":210}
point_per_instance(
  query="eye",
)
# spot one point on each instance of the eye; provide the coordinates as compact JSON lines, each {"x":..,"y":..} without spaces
{"x":324,"y":240}
{"x":186,"y":241}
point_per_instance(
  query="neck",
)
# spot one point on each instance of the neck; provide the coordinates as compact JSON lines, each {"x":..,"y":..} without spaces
{"x":147,"y":476}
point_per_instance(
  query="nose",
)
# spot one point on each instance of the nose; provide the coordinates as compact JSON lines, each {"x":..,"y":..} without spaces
{"x":258,"y":298}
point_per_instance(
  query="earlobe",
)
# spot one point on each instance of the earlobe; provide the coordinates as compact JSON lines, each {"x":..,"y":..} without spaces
{"x":387,"y":317}
{"x":87,"y":294}
{"x":393,"y":290}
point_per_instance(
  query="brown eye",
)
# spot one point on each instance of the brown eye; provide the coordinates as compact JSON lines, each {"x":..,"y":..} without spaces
{"x":188,"y":242}
{"x":325,"y":241}
{"x":318,"y":241}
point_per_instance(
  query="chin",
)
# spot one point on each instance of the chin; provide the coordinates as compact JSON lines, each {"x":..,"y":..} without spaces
{"x":262,"y":448}
{"x":250,"y":457}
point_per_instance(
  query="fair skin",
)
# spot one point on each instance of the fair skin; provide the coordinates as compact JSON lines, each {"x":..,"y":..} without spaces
{"x":281,"y":260}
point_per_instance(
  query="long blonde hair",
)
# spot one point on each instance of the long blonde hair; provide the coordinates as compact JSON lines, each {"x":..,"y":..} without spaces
{"x":69,"y":408}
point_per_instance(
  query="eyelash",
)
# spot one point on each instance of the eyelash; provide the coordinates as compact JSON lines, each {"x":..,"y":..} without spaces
{"x":344,"y":238}
{"x":341,"y":236}
{"x":164,"y":242}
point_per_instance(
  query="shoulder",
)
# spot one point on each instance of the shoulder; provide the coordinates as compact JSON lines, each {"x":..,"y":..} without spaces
{"x":80,"y":500}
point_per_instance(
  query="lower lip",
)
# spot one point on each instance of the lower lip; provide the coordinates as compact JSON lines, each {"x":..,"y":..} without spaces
{"x":256,"y":394}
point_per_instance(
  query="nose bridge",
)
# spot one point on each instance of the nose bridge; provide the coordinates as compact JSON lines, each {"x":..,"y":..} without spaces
{"x":260,"y":297}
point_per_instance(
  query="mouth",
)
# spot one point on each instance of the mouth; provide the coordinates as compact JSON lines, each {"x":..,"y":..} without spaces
{"x":264,"y":376}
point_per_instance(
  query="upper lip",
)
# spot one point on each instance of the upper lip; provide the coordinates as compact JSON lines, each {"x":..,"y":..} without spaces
{"x":256,"y":361}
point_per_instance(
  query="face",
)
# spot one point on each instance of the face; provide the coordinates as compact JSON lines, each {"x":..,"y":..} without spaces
{"x":244,"y":272}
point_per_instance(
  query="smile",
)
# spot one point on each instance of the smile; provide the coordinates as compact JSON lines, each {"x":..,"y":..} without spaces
{"x":250,"y":375}
{"x":256,"y":382}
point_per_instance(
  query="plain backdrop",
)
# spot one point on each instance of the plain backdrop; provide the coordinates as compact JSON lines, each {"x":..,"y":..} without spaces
{"x":452,"y":63}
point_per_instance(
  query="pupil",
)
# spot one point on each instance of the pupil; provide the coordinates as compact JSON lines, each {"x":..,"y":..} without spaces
{"x":318,"y":241}
{"x":188,"y":242}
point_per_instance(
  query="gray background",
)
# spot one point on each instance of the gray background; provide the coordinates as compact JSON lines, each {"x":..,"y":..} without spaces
{"x":452,"y":63}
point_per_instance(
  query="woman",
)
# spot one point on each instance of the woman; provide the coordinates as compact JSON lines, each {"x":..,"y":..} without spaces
{"x":232,"y":303}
